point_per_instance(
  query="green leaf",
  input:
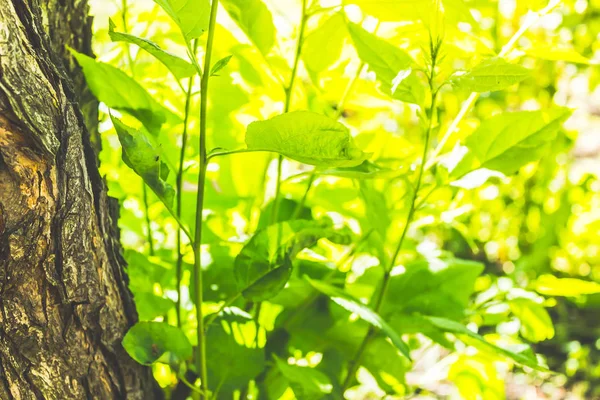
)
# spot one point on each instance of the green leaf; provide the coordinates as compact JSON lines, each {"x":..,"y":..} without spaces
{"x":491,"y":75}
{"x":393,"y":67}
{"x":353,"y":305}
{"x":450,"y":326}
{"x":366,"y":170}
{"x":377,"y":211}
{"x":508,"y":141}
{"x":307,"y":137}
{"x":323,"y":46}
{"x":236,"y":353}
{"x":179,"y":67}
{"x":144,"y":158}
{"x":264,"y":265}
{"x":255,"y":19}
{"x":191,"y":16}
{"x":219,"y":65}
{"x":307,"y":383}
{"x":146,"y":342}
{"x":550,"y":285}
{"x":439,"y":287}
{"x":556,"y":53}
{"x":536,"y":324}
{"x":117,"y":90}
{"x":150,"y":306}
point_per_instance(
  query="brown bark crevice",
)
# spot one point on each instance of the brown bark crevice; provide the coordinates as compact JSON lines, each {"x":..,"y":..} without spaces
{"x":64,"y":301}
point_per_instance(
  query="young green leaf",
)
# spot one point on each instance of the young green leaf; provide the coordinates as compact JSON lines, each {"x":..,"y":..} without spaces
{"x":508,"y":141}
{"x":550,"y":285}
{"x":117,"y":90}
{"x":307,"y":383}
{"x":393,"y":67}
{"x":307,"y":137}
{"x":491,"y":75}
{"x":144,"y":158}
{"x":323,"y":46}
{"x":451,"y":326}
{"x":432,"y":287}
{"x":255,"y":19}
{"x":191,"y":16}
{"x":264,"y":265}
{"x":179,"y":67}
{"x":364,"y":312}
{"x":236,"y":353}
{"x":219,"y":65}
{"x":146,"y":342}
{"x":536,"y":324}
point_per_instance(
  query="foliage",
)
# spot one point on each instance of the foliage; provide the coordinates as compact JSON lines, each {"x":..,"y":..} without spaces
{"x":371,"y":191}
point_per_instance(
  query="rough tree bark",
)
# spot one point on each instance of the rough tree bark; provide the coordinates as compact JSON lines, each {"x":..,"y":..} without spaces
{"x":64,"y":301}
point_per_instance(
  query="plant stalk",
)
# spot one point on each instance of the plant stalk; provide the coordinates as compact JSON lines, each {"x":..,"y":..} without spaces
{"x":202,"y":161}
{"x":179,"y":182}
{"x":355,"y":362}
{"x":288,"y":102}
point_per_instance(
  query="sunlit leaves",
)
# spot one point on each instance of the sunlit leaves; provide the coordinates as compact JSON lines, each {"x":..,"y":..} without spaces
{"x":146,"y":342}
{"x":145,"y":159}
{"x":179,"y":67}
{"x":235,"y":344}
{"x":255,"y":19}
{"x":569,"y":287}
{"x":392,"y":66}
{"x":364,"y":312}
{"x":191,"y":16}
{"x":264,"y":265}
{"x":536,"y":324}
{"x":433,"y":287}
{"x":117,"y":90}
{"x":307,"y":137}
{"x":323,"y":46}
{"x":450,"y":326}
{"x":508,"y":141}
{"x":307,"y":383}
{"x":493,"y":74}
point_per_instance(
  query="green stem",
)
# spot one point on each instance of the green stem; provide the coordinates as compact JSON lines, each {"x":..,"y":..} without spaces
{"x":179,"y":182}
{"x":288,"y":102}
{"x":474,"y":96}
{"x":147,"y":216}
{"x":355,"y":362}
{"x":202,"y":161}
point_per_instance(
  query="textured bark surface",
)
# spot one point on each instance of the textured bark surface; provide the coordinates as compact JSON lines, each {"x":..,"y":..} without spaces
{"x":64,"y":302}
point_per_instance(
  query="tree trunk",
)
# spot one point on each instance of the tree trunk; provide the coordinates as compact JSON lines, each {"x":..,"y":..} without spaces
{"x":64,"y":301}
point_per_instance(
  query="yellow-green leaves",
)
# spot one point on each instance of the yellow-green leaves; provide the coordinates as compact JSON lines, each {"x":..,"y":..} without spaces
{"x":141,"y":155}
{"x":536,"y":324}
{"x":323,"y":46}
{"x":454,"y":327}
{"x":146,"y":342}
{"x":255,"y":19}
{"x":353,"y":305}
{"x":307,"y":137}
{"x":453,"y":11}
{"x":550,"y":285}
{"x":117,"y":90}
{"x":264,"y":265}
{"x":179,"y":67}
{"x":392,"y":66}
{"x":491,"y":75}
{"x":508,"y":141}
{"x":191,"y":16}
{"x":236,"y":353}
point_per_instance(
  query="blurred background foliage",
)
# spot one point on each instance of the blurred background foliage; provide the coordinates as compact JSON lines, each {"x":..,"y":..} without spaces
{"x":528,"y":229}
